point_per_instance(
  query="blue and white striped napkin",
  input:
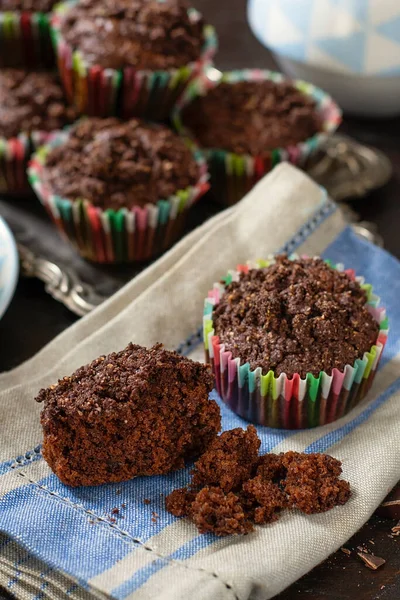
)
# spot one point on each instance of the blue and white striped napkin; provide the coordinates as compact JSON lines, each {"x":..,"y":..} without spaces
{"x":58,"y":542}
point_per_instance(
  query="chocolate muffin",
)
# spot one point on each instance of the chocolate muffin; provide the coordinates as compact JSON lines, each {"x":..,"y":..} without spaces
{"x":25,"y":34}
{"x":43,"y":6}
{"x":248,"y":121}
{"x":295,"y":316}
{"x":252,"y":117}
{"x":30,"y":102}
{"x":135,"y":412}
{"x":115,"y":165}
{"x":145,"y":34}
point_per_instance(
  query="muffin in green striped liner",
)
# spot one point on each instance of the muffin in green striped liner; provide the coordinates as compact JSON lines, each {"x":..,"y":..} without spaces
{"x":32,"y":107}
{"x":248,"y":121}
{"x":118,"y":191}
{"x":25,"y":34}
{"x":131,"y":61}
{"x":296,"y":393}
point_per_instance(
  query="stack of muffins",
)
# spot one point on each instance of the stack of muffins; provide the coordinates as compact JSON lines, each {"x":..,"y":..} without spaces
{"x":116,"y":186}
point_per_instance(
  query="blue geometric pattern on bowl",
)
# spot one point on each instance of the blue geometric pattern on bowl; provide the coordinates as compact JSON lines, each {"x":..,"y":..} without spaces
{"x":9,"y":267}
{"x":349,"y":36}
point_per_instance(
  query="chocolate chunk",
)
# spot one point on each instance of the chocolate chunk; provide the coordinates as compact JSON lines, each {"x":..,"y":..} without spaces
{"x":222,"y":514}
{"x":396,"y":528}
{"x":31,"y":102}
{"x":295,"y":316}
{"x":371,"y":561}
{"x":390,"y":507}
{"x":115,"y":164}
{"x":229,"y":460}
{"x":146,"y":35}
{"x":252,"y":117}
{"x":135,"y":412}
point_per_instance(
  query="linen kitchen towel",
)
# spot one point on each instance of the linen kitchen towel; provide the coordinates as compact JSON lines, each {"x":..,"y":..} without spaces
{"x":58,"y":541}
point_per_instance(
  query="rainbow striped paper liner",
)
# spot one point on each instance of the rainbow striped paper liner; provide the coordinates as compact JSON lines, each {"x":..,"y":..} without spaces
{"x":15,"y":154}
{"x":101,"y":92}
{"x":233,"y":175}
{"x":25,"y":40}
{"x":116,"y":236}
{"x":293,"y":403}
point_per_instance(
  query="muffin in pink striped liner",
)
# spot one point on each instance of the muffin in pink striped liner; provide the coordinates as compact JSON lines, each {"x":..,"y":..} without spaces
{"x":293,"y":342}
{"x":32,"y":107}
{"x":118,"y":191}
{"x":25,"y":34}
{"x":129,"y":58}
{"x":248,"y":121}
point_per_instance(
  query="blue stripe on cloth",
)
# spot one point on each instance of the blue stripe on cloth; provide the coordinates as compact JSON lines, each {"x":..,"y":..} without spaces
{"x":144,"y":574}
{"x":379,"y":269}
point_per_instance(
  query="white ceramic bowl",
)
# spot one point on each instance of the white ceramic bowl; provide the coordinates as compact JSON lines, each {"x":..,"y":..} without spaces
{"x":9,"y":266}
{"x":350,"y":48}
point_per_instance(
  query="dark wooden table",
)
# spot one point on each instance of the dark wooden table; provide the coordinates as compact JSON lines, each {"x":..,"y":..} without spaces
{"x":34,"y":318}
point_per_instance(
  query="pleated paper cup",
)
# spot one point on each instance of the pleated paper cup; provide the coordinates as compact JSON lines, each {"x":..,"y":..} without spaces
{"x":290,"y":402}
{"x":15,"y":154}
{"x":25,"y":40}
{"x":233,"y":175}
{"x":116,"y":236}
{"x":127,"y":92}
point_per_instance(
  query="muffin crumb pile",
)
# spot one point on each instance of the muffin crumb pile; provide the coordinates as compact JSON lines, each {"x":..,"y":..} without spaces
{"x":233,"y":487}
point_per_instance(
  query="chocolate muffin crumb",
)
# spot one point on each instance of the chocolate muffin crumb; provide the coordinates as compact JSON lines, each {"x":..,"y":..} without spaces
{"x":309,"y":482}
{"x":295,"y":316}
{"x":252,"y":117}
{"x":31,"y":101}
{"x":116,"y":164}
{"x":179,"y":502}
{"x":267,"y":495}
{"x":219,"y":513}
{"x":312,"y":482}
{"x":143,"y":34}
{"x":229,"y":459}
{"x":135,"y":412}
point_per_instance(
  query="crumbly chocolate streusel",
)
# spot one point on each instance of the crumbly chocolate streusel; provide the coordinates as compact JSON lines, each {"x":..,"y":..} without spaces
{"x":299,"y":316}
{"x":252,"y":117}
{"x":135,"y":412}
{"x":145,"y":34}
{"x":265,"y":485}
{"x":31,"y":102}
{"x":118,"y":164}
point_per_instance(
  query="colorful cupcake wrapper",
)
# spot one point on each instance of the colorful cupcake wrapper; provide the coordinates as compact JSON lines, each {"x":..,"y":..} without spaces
{"x":25,"y":40}
{"x":233,"y":175}
{"x":283,"y":402}
{"x":101,"y":92}
{"x":116,"y":236}
{"x":15,"y":154}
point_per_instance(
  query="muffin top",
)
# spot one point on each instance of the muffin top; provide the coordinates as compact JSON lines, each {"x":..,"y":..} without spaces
{"x":27,"y":5}
{"x":123,"y":377}
{"x":31,"y":102}
{"x":118,"y":164}
{"x":252,"y":117}
{"x":295,"y":316}
{"x":145,"y":34}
